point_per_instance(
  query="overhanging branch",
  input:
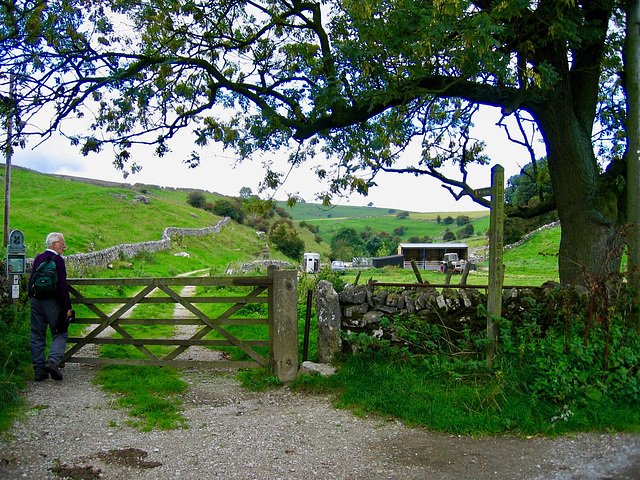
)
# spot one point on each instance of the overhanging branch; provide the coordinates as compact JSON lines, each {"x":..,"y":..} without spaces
{"x":449,"y":183}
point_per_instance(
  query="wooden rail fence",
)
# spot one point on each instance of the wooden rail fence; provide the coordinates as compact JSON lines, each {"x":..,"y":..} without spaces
{"x":278,"y":289}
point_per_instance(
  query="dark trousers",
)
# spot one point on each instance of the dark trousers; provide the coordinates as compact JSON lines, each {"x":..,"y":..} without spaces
{"x":44,"y":313}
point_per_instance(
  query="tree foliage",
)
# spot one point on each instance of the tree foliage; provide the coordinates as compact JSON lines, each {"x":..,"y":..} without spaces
{"x":285,"y":238}
{"x":531,"y":183}
{"x":232,"y":208}
{"x":355,"y":80}
{"x":465,"y":232}
{"x":346,"y":244}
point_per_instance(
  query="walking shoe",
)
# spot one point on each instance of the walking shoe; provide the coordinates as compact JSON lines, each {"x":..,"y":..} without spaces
{"x":52,"y":368}
{"x":41,"y":376}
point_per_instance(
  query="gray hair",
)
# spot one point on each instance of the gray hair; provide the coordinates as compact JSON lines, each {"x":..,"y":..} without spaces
{"x":53,"y":237}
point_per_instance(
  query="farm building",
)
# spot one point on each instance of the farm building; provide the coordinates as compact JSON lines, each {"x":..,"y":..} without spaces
{"x":391,"y":260}
{"x":429,"y":255}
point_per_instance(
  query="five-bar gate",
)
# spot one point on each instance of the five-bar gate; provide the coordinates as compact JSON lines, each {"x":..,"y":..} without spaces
{"x":108,"y":316}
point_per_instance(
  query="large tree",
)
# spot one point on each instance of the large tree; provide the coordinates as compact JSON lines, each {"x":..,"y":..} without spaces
{"x":357,"y":80}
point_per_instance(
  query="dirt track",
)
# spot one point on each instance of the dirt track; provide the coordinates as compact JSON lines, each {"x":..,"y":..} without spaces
{"x":73,"y":429}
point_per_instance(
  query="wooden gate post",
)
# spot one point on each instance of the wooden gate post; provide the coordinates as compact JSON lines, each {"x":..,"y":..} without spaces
{"x":496,"y":269}
{"x":283,"y":323}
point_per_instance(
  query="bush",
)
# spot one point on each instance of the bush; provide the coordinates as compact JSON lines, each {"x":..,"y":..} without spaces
{"x":196,"y":199}
{"x":285,"y":238}
{"x":462,"y":220}
{"x":229,"y":208}
{"x":465,"y":232}
{"x":557,"y":371}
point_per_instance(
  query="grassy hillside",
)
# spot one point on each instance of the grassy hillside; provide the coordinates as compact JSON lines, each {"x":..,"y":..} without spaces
{"x":94,"y":216}
{"x":415,"y":225}
{"x":91,"y":217}
{"x":314,"y":211}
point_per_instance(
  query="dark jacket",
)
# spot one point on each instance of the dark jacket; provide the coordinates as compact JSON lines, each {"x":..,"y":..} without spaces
{"x":63,"y":287}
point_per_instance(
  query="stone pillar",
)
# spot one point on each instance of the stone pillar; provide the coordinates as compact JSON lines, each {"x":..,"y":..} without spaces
{"x":329,"y":321}
{"x":283,"y":323}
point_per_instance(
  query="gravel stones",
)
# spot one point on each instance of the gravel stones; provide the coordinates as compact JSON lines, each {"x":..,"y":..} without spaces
{"x":72,"y":428}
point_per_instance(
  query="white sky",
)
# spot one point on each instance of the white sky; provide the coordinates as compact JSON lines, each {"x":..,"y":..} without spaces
{"x":216,"y":172}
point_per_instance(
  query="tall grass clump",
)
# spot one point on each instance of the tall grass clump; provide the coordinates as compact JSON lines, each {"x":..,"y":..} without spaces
{"x":150,"y":393}
{"x":15,"y":359}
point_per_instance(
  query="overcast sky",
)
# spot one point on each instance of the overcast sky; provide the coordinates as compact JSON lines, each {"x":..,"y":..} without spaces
{"x":216,"y":172}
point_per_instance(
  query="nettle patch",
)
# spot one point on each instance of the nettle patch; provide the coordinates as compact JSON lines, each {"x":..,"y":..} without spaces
{"x":561,"y":345}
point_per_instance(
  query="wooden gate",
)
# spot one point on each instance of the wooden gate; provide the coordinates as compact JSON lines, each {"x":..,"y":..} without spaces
{"x":108,"y":313}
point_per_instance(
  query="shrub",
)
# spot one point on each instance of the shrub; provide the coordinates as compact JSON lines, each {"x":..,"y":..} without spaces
{"x":285,"y":238}
{"x":196,"y":199}
{"x":229,"y":208}
{"x":14,"y":360}
{"x":465,"y":232}
{"x":462,"y":220}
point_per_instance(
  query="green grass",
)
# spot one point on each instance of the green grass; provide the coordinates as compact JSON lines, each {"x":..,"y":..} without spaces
{"x":15,"y":361}
{"x":151,"y":394}
{"x":90,"y":216}
{"x":415,"y":225}
{"x":480,"y":403}
{"x":314,"y":211}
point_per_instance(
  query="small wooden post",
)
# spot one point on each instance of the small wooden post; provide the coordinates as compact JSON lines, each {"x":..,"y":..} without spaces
{"x":414,"y":265}
{"x":283,"y":323}
{"x":496,"y":269}
{"x":465,"y":273}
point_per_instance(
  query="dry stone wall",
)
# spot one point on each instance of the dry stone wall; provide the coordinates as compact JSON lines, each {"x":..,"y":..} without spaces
{"x":102,"y":258}
{"x":358,"y":310}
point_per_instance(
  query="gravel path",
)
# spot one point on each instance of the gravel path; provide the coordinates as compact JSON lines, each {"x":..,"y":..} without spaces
{"x":72,"y":430}
{"x":72,"y":427}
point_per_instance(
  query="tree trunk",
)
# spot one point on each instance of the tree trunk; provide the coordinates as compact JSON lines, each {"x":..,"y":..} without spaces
{"x":632,"y":77}
{"x":588,"y":213}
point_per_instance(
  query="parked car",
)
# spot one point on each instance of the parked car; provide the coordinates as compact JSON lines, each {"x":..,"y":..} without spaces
{"x":338,"y":266}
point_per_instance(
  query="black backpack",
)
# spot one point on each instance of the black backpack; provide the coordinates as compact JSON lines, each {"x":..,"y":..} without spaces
{"x":44,"y":283}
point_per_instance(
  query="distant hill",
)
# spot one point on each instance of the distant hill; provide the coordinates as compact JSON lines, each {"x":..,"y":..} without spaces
{"x":94,"y":214}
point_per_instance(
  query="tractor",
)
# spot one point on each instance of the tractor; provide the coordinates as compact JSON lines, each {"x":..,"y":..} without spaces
{"x":452,"y":263}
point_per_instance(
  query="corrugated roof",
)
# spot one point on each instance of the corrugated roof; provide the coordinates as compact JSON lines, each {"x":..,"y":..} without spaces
{"x":434,"y":245}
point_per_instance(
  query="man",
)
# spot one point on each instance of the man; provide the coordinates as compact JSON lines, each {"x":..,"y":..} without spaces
{"x":53,"y":312}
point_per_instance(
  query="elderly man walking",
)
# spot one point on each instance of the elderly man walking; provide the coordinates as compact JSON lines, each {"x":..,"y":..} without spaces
{"x":50,"y":307}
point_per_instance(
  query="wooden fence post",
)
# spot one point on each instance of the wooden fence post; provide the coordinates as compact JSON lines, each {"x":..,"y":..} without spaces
{"x":283,"y":323}
{"x":496,"y":268}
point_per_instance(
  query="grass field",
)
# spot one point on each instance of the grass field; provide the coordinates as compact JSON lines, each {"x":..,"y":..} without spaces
{"x":95,"y":217}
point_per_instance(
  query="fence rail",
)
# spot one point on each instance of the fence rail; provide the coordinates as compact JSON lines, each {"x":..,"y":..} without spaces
{"x":374,"y":283}
{"x":111,"y":317}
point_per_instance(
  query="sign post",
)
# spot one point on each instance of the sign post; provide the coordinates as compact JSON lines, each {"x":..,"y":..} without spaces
{"x":16,"y":262}
{"x":496,"y":250}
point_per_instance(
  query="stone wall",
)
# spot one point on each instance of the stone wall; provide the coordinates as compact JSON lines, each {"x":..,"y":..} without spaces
{"x":357,"y":310}
{"x":102,"y":258}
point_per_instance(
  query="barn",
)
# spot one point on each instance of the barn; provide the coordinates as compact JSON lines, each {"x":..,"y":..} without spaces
{"x":390,"y":260}
{"x":429,"y":255}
